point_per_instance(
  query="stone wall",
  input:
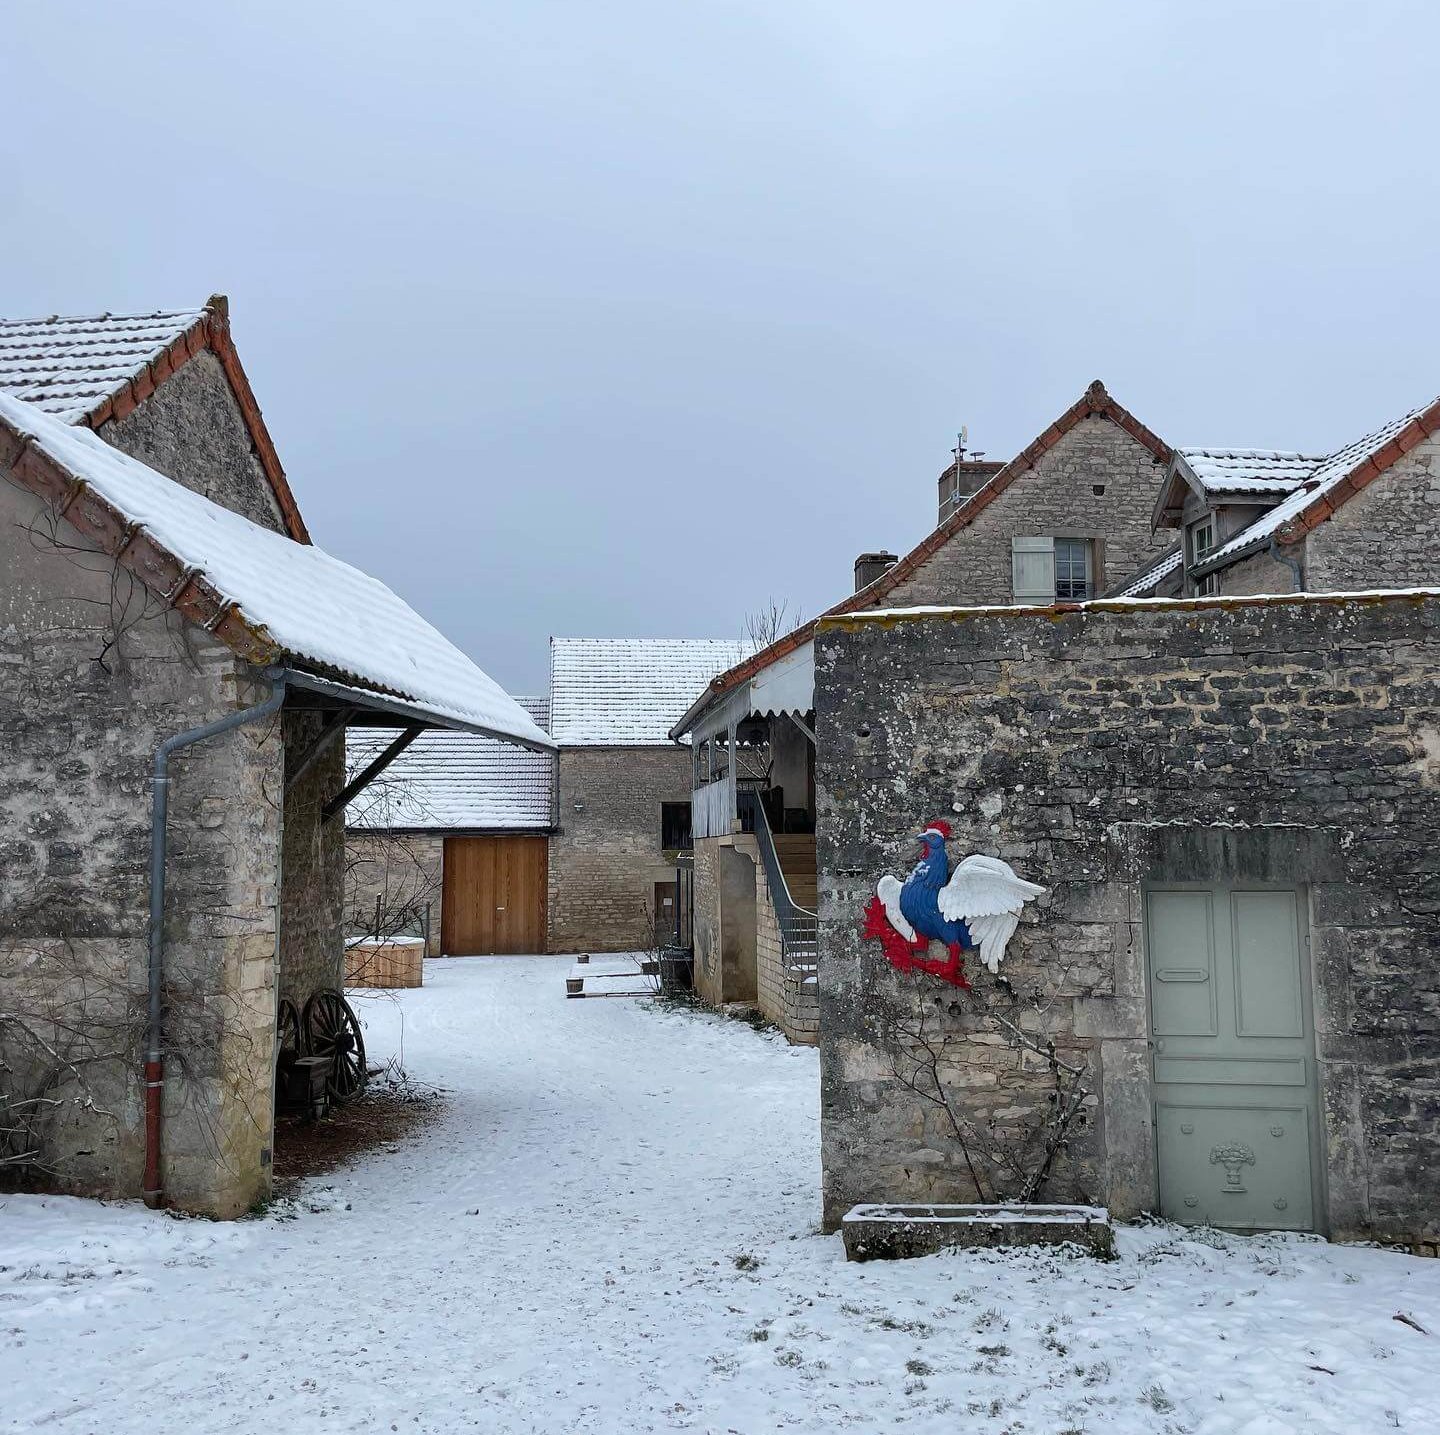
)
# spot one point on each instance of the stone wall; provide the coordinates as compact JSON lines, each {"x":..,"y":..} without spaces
{"x":1096,"y":482}
{"x":312,"y":870}
{"x":1260,"y":573}
{"x":92,"y":677}
{"x":785,"y":997}
{"x":1293,"y":742}
{"x":1385,"y":535}
{"x":192,"y":430}
{"x":405,"y":870}
{"x":606,"y":857}
{"x":725,"y":925}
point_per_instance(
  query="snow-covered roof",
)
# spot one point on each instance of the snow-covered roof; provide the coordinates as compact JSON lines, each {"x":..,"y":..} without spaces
{"x":629,"y":692}
{"x":1261,"y":471}
{"x":273,"y":598}
{"x":69,"y":366}
{"x":1324,"y":475}
{"x":1150,"y":578}
{"x":454,"y":780}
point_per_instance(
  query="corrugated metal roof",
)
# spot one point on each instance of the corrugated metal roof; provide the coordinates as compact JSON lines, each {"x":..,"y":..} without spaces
{"x":629,"y":692}
{"x":1151,"y":578}
{"x":453,"y":781}
{"x":69,"y":366}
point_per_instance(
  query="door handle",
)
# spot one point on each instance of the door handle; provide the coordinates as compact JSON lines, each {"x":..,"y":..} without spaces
{"x":1158,"y":1045}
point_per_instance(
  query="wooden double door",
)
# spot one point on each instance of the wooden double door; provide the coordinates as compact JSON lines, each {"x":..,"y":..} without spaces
{"x":494,"y":897}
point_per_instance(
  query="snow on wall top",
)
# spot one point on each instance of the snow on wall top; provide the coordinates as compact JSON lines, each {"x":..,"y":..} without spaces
{"x":629,"y":692}
{"x":68,"y":367}
{"x":1324,"y":474}
{"x":318,"y":610}
{"x":454,"y":780}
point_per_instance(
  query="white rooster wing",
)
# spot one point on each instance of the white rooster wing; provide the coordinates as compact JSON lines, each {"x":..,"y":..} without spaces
{"x":987,"y":895}
{"x":888,"y":891}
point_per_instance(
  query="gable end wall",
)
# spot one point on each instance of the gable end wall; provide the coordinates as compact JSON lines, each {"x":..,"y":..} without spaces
{"x":192,"y":430}
{"x":1055,"y":498}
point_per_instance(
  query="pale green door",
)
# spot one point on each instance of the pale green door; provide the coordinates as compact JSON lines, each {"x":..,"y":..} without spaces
{"x":1236,"y":1125}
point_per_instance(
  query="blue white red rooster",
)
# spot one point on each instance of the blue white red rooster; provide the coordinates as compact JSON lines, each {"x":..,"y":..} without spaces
{"x":977,"y":908}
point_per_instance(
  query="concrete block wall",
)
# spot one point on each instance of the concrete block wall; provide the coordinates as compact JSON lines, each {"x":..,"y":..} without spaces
{"x":605,"y":857}
{"x":1292,"y":742}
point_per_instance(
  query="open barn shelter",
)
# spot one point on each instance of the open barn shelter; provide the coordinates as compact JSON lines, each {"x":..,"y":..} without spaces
{"x":450,"y":845}
{"x":178,"y":668}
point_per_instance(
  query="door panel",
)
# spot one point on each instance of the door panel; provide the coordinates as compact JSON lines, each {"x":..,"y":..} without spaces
{"x":1244,"y":1167}
{"x":1183,"y":983}
{"x":1268,"y":985}
{"x":1236,"y":1119}
{"x":494,"y":895}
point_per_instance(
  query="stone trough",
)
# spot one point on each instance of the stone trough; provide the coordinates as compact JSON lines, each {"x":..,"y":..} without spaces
{"x":894,"y":1232}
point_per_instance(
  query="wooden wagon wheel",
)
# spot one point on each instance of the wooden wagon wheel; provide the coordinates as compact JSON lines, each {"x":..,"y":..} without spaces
{"x":333,"y":1030}
{"x":287,"y":1030}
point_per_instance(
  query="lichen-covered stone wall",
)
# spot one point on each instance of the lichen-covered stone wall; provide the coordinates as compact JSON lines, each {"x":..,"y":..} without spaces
{"x":1292,"y":742}
{"x":92,"y":676}
{"x":1096,"y":482}
{"x":192,"y":430}
{"x":605,"y":857}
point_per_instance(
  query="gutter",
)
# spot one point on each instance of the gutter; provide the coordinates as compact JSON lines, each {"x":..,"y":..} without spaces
{"x":1293,"y":564}
{"x":154,"y":1076}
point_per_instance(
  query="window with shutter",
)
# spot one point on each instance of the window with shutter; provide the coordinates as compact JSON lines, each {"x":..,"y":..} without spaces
{"x":1032,"y":568}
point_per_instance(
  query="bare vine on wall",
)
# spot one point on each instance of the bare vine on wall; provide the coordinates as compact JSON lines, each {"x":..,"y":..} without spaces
{"x":1010,"y":1158}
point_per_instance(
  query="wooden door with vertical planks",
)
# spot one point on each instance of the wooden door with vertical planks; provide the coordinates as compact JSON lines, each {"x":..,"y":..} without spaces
{"x":493,"y":902}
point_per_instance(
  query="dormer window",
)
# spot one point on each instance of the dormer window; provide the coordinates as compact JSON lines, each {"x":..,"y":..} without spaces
{"x":1202,"y":545}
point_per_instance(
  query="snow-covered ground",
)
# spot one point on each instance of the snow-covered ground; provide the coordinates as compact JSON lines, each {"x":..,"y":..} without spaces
{"x":613,"y":1228}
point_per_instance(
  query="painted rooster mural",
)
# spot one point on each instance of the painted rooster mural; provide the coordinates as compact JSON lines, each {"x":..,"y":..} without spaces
{"x":977,"y":908}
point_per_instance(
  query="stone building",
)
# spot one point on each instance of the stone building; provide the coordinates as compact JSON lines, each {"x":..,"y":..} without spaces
{"x":1060,"y":521}
{"x":1233,"y":806}
{"x":144,"y":600}
{"x":1265,"y":521}
{"x":622,"y":809}
{"x":451,"y":843}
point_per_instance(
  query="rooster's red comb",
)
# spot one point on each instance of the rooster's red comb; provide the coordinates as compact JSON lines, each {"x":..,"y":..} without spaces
{"x":941,"y":826}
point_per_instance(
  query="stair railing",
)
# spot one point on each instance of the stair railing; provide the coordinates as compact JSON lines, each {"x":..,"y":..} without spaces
{"x":799,"y":926}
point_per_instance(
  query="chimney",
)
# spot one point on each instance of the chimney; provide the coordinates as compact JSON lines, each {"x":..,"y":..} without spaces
{"x":869,"y":566}
{"x":964,"y":477}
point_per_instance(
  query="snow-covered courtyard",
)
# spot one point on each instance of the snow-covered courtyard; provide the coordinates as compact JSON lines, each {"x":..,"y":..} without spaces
{"x":612,"y":1227}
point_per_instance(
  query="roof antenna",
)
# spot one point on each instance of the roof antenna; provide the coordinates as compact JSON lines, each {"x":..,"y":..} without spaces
{"x":962,"y":439}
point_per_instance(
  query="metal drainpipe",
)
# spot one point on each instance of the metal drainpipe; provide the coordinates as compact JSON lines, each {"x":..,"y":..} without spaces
{"x":1293,"y":564}
{"x":159,"y":816}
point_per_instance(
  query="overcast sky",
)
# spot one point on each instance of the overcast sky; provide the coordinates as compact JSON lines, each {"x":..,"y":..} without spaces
{"x":619,"y":318}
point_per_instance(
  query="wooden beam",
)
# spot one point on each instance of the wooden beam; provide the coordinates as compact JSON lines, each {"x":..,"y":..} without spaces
{"x":362,"y":780}
{"x":332,"y":727}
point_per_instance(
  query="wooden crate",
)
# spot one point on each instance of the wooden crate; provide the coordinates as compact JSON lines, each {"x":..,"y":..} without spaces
{"x":396,"y":963}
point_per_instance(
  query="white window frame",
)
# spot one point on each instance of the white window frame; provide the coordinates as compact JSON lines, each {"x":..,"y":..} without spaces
{"x":1210,"y":583}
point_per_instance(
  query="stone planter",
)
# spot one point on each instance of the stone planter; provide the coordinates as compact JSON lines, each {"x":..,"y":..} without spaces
{"x":894,"y":1232}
